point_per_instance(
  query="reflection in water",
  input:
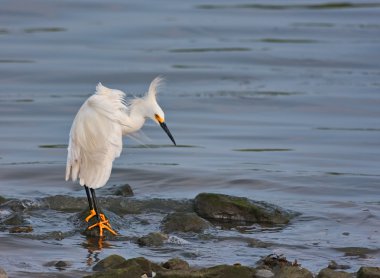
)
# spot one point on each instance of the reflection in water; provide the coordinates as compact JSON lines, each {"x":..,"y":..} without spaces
{"x":94,"y":245}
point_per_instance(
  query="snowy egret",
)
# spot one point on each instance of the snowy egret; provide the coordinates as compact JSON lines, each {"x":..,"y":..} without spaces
{"x":96,"y":139}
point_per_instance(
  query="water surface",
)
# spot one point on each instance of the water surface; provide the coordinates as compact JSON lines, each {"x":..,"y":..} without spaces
{"x":274,"y":100}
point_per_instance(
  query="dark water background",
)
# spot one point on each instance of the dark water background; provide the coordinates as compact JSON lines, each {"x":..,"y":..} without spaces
{"x":274,"y":100}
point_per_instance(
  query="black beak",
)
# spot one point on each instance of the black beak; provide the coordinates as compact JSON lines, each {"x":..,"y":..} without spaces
{"x":166,"y":129}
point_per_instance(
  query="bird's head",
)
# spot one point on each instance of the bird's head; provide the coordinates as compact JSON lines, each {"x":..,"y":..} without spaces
{"x":155,"y":112}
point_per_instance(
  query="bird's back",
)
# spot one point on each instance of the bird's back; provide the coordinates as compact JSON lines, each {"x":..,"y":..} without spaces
{"x":96,"y":137}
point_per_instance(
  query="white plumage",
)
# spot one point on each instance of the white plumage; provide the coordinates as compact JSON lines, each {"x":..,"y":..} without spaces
{"x":97,"y":130}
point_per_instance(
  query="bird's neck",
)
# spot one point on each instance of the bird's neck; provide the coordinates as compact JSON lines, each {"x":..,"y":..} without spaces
{"x":136,"y":118}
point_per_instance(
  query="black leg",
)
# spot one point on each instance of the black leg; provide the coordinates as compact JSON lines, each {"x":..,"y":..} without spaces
{"x":89,"y":198}
{"x":95,"y":203}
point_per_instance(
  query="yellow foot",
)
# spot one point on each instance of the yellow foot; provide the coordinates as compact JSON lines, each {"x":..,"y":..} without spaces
{"x":103,"y":224}
{"x":92,"y":214}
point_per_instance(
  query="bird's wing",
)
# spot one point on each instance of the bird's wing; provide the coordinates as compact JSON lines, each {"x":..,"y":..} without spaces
{"x":96,"y":137}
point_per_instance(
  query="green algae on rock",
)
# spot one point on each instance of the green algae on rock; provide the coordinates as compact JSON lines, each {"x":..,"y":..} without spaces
{"x":368,"y":272}
{"x":225,"y":208}
{"x":184,"y":222}
{"x":329,"y":273}
{"x":152,"y":239}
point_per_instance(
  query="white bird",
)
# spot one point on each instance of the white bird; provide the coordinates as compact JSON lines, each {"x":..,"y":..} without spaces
{"x":96,"y":138}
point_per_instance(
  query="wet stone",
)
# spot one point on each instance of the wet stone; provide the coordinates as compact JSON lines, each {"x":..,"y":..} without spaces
{"x":225,"y":208}
{"x":334,"y":265}
{"x":79,"y":222}
{"x":152,"y":239}
{"x":289,"y":271}
{"x":20,"y":229}
{"x":66,"y":203}
{"x":117,"y":266}
{"x":60,"y":265}
{"x":124,"y":190}
{"x":361,"y":252}
{"x":110,"y":262}
{"x":255,"y":243}
{"x":176,"y":264}
{"x":14,"y":219}
{"x":329,"y":273}
{"x":368,"y":272}
{"x":184,"y":222}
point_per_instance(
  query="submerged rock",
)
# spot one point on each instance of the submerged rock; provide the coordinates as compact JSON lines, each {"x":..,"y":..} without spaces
{"x":184,"y":222}
{"x":368,"y":272}
{"x":329,"y":273}
{"x":222,"y":207}
{"x":60,"y":265}
{"x":152,"y":239}
{"x":20,"y":229}
{"x":14,"y":219}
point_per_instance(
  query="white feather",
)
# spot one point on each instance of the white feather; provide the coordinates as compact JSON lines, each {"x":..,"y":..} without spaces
{"x":96,"y":137}
{"x":97,"y":130}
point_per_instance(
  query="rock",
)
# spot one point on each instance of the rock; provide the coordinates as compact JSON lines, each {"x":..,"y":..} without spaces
{"x":184,"y":222}
{"x":20,"y":229}
{"x":256,"y":243}
{"x":334,"y":265}
{"x":176,"y":264}
{"x":225,"y":208}
{"x":124,"y":190}
{"x":79,"y":222}
{"x":116,"y":266}
{"x":361,"y":252}
{"x":329,"y":273}
{"x":3,"y":274}
{"x":228,"y":271}
{"x":368,"y":272}
{"x":292,"y":272}
{"x":60,"y":265}
{"x":264,"y":273}
{"x":15,"y":219}
{"x":66,"y":203}
{"x":2,"y":200}
{"x":152,"y":239}
{"x":220,"y":271}
{"x":111,"y":262}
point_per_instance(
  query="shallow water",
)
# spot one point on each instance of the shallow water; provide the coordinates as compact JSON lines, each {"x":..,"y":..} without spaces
{"x":273,"y":100}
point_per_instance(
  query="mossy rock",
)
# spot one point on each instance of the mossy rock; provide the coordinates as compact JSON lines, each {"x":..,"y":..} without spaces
{"x":225,"y":208}
{"x":184,"y":222}
{"x":220,"y":271}
{"x":287,"y":271}
{"x":117,"y":266}
{"x":329,"y":273}
{"x":152,"y":239}
{"x":368,"y":272}
{"x":2,"y":200}
{"x":176,"y":264}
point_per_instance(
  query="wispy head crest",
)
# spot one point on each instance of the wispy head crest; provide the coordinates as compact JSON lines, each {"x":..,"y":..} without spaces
{"x":154,"y":85}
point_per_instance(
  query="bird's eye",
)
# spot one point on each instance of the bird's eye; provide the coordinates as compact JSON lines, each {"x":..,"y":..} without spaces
{"x":158,"y":118}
